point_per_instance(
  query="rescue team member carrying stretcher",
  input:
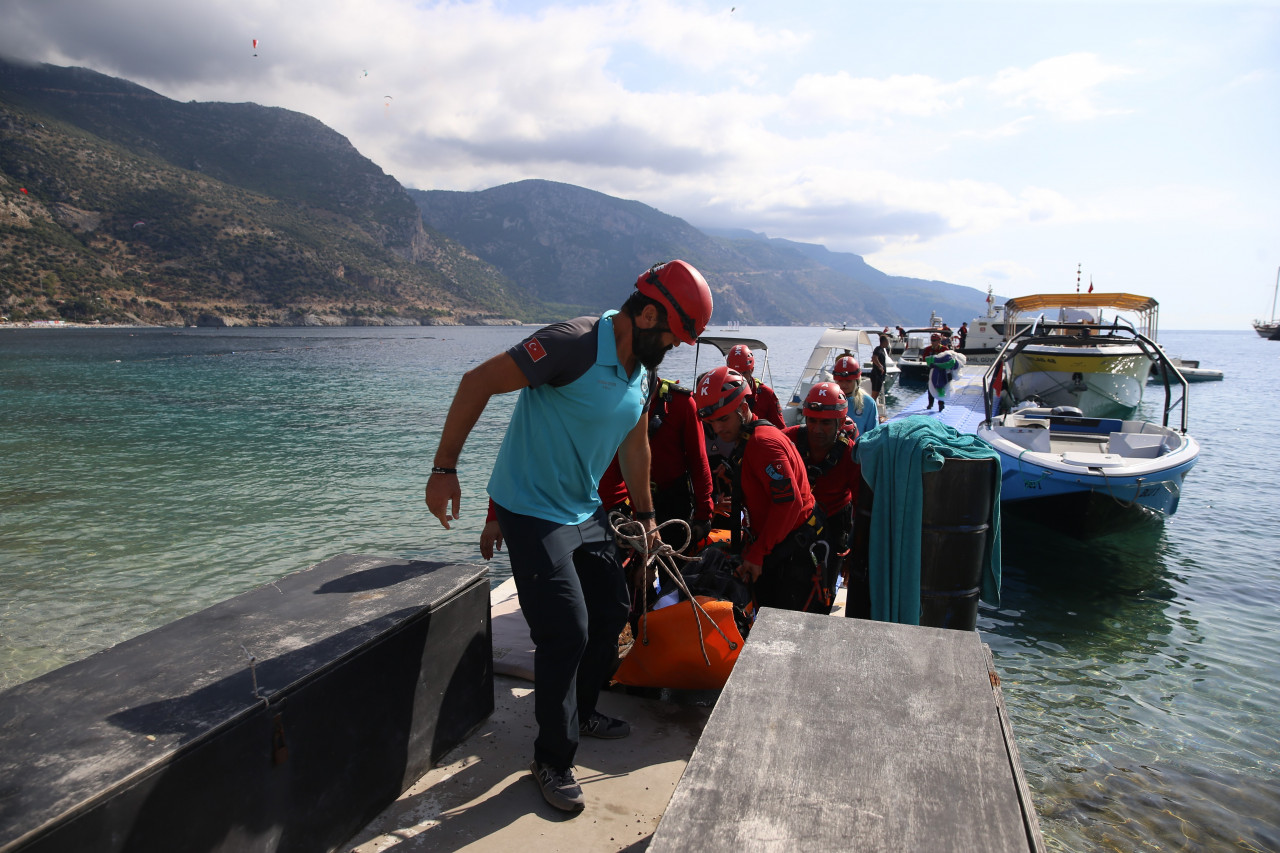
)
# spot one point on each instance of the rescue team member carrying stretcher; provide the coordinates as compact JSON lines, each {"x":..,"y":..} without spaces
{"x":825,"y":443}
{"x":583,"y":386}
{"x":769,"y":483}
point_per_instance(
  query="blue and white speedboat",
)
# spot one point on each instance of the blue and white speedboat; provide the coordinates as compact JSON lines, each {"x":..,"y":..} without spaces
{"x":1075,"y":468}
{"x":1080,"y":471}
{"x":1070,"y":471}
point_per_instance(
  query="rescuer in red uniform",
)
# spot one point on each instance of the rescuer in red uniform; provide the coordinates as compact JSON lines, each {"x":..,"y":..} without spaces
{"x":762,"y":399}
{"x":770,"y":488}
{"x":825,"y":443}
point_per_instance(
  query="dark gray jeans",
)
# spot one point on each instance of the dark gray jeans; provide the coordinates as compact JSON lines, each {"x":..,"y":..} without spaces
{"x":573,"y":593}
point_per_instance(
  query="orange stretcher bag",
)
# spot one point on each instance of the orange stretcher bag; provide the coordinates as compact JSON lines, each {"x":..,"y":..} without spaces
{"x":672,"y":656}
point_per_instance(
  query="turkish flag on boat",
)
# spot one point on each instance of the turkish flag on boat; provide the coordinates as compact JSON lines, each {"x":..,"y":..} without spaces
{"x":1091,"y":284}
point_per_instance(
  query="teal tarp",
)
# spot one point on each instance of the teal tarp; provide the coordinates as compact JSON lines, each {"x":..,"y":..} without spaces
{"x":894,"y":458}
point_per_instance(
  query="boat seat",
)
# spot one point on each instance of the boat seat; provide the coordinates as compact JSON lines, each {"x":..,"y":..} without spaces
{"x":1035,"y":439}
{"x":1136,"y":445}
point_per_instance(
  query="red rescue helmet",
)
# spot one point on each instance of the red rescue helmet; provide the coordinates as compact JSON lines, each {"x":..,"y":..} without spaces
{"x":719,"y":392}
{"x":683,"y":292}
{"x":741,"y":359}
{"x":826,"y":400}
{"x":935,"y":337}
{"x":847,"y":367}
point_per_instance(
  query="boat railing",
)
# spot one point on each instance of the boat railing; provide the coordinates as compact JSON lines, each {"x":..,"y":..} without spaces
{"x":1167,"y":370}
{"x":1043,"y":333}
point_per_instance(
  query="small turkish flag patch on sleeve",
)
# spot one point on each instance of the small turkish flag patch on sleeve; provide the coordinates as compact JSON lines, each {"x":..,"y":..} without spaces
{"x":534,"y":347}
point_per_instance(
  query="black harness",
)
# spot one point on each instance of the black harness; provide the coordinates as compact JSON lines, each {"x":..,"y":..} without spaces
{"x":660,"y":396}
{"x":826,"y":465}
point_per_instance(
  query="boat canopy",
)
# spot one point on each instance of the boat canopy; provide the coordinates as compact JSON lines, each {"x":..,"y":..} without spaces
{"x":725,"y":344}
{"x":1145,"y":307}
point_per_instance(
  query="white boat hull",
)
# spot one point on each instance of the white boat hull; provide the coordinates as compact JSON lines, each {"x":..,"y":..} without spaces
{"x":1066,"y":461}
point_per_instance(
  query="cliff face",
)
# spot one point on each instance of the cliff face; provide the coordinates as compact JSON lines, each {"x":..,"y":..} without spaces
{"x":571,"y":244}
{"x":128,"y":206}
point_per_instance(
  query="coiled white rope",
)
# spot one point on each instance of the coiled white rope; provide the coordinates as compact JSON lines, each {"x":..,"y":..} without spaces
{"x":632,"y":534}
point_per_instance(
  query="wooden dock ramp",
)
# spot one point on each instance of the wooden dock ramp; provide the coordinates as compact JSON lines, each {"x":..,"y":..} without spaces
{"x":840,"y":734}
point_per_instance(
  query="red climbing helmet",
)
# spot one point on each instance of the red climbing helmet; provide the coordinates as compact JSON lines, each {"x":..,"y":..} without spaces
{"x":846,"y":367}
{"x":826,"y":400}
{"x":741,"y":359}
{"x":719,"y":392}
{"x":682,"y":290}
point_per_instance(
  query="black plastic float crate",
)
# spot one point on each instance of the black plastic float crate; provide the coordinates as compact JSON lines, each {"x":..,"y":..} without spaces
{"x":365,"y":672}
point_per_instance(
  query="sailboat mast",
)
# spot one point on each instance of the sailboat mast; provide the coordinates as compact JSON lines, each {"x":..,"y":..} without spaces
{"x":1274,"y":294}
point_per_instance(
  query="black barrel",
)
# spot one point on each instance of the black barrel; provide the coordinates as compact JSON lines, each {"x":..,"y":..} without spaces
{"x":955,"y":524}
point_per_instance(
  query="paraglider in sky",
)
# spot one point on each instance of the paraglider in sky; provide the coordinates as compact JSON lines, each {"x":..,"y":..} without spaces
{"x":255,"y":47}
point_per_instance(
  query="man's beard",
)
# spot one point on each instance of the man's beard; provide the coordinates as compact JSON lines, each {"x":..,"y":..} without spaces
{"x":646,"y":345}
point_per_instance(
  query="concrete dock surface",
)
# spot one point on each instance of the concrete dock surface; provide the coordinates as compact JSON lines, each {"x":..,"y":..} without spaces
{"x":482,"y":796}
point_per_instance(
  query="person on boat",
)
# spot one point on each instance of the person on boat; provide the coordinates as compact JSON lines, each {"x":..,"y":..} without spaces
{"x":879,"y":367}
{"x":826,"y":448}
{"x":583,"y":386}
{"x":902,"y":335}
{"x":963,"y":334}
{"x":944,"y":364}
{"x":679,"y":474}
{"x":863,"y":413}
{"x":763,"y":400}
{"x":769,"y":483}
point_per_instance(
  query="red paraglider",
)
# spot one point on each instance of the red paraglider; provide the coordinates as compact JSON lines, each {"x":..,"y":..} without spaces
{"x":255,"y":47}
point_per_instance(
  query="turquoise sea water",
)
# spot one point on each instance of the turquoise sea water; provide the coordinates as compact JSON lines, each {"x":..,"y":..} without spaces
{"x":146,"y":474}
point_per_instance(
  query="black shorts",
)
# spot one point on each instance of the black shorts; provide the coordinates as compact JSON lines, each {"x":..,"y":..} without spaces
{"x":877,"y":382}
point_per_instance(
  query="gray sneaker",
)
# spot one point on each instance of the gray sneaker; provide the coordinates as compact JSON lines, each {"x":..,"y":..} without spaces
{"x":558,"y":787}
{"x":598,"y":725}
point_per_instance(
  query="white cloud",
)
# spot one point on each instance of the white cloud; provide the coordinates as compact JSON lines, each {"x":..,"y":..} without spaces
{"x":841,"y":96}
{"x":933,"y":153}
{"x":1064,"y":86}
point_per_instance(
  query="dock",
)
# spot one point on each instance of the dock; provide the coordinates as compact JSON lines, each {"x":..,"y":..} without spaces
{"x":965,"y":409}
{"x":371,"y":704}
{"x":838,"y":734}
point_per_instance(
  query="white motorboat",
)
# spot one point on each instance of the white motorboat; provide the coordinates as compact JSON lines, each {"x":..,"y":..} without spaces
{"x":1081,"y":472}
{"x":1077,"y":359}
{"x":1077,"y":471}
{"x":834,"y":343}
{"x":983,"y":340}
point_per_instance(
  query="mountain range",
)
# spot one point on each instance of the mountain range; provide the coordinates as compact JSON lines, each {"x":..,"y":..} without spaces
{"x":118,"y":205}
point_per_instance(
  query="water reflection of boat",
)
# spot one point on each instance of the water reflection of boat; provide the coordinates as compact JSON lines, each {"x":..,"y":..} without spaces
{"x":1078,"y":360}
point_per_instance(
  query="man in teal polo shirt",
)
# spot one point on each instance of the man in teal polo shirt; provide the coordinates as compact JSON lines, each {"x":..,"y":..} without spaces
{"x":583,"y":396}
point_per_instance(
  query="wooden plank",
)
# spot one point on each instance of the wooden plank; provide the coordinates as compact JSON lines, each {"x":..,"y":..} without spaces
{"x":839,"y":733}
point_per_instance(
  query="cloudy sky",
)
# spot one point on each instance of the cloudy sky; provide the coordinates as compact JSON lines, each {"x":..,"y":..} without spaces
{"x":973,"y":141}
